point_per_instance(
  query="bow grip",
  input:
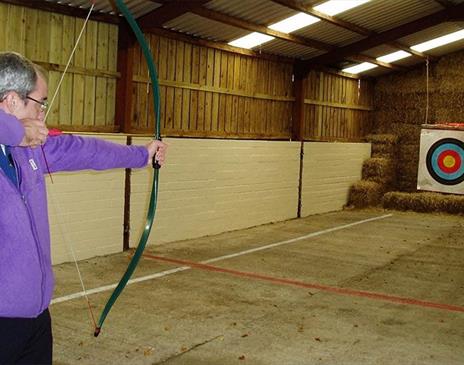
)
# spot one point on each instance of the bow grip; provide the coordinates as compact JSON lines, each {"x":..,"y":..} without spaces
{"x":155,"y":163}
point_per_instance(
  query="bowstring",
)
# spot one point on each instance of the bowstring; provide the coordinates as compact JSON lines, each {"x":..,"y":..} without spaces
{"x":55,"y":203}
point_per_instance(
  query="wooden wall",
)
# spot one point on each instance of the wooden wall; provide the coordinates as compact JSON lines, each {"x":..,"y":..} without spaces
{"x":336,"y":107}
{"x":86,"y":100}
{"x":205,"y":92}
{"x":208,"y":92}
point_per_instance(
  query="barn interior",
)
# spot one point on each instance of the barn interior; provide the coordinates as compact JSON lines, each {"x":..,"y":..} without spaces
{"x":300,"y":218}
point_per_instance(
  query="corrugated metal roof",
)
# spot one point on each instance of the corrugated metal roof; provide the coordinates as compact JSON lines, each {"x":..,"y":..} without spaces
{"x":381,"y":15}
{"x":205,"y":28}
{"x":329,"y":33}
{"x":137,"y":7}
{"x":283,"y":48}
{"x":256,"y":11}
{"x":376,"y":16}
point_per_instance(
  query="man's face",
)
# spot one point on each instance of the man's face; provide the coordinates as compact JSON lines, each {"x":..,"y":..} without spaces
{"x":32,"y":105}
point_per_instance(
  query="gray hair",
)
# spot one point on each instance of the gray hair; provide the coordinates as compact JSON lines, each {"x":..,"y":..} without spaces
{"x":17,"y":74}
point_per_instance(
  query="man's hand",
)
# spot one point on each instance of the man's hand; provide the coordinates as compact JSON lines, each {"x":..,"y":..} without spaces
{"x":158,"y":150}
{"x":35,"y":132}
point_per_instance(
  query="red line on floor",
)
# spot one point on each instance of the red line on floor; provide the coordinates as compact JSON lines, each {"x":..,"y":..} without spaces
{"x":332,"y":289}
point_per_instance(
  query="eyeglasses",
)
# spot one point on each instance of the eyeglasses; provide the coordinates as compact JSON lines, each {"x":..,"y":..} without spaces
{"x":43,"y":104}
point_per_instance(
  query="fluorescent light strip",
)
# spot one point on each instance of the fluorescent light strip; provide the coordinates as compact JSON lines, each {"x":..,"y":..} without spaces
{"x":356,"y":69}
{"x":251,"y":40}
{"x":395,"y":56}
{"x":293,"y":23}
{"x":440,"y":41}
{"x":334,"y":7}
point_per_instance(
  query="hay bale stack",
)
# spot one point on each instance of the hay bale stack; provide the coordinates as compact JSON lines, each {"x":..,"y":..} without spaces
{"x":380,"y":170}
{"x":406,"y":167}
{"x":383,"y":145}
{"x":424,"y":202}
{"x":366,"y":194}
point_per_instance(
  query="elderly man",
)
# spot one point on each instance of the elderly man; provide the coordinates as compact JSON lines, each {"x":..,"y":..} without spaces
{"x":26,"y":278}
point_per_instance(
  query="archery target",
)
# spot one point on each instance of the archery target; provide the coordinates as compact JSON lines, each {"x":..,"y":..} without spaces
{"x":445,"y":161}
{"x":441,"y":165}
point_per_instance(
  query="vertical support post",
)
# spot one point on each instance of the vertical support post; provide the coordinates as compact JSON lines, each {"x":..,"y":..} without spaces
{"x":126,"y":44}
{"x":298,"y":122}
{"x":127,"y":203}
{"x":299,"y":106}
{"x":123,"y":117}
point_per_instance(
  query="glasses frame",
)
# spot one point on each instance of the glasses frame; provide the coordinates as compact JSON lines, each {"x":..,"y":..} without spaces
{"x":43,"y":104}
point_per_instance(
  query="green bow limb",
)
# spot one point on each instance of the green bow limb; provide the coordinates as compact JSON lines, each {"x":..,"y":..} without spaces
{"x":154,"y":191}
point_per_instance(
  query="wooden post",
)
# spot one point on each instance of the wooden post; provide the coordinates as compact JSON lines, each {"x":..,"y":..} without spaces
{"x":298,"y":106}
{"x":123,"y":116}
{"x":126,"y":44}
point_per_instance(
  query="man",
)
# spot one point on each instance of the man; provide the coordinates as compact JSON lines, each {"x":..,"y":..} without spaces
{"x":26,"y":278}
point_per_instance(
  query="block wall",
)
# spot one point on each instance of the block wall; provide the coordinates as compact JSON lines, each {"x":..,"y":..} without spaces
{"x":329,"y":169}
{"x":207,"y":187}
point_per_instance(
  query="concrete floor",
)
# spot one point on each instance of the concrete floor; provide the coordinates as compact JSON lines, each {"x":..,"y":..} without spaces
{"x":385,"y":291}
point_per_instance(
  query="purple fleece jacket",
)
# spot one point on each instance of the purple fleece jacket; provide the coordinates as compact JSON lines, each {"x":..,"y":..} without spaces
{"x":26,"y":277}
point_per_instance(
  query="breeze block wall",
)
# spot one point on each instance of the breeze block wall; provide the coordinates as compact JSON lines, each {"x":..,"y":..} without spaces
{"x":211,"y":186}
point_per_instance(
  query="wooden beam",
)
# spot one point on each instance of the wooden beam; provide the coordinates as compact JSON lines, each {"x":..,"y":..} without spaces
{"x":217,"y":45}
{"x":307,"y":8}
{"x":64,"y":9}
{"x":240,"y":23}
{"x":390,"y":35}
{"x":168,"y":11}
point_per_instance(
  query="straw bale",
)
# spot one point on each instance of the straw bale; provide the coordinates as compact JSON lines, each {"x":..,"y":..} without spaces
{"x":380,"y":170}
{"x":424,"y":202}
{"x":365,"y":194}
{"x":382,"y":138}
{"x":383,"y":150}
{"x":407,"y":184}
{"x":407,"y":133}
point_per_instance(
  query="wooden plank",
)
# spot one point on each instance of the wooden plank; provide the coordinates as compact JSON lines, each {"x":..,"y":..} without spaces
{"x":42,"y":41}
{"x":91,"y":35}
{"x":3,"y":26}
{"x":187,"y":76}
{"x":16,"y":32}
{"x":222,"y":84}
{"x":195,"y":77}
{"x":179,"y":63}
{"x":338,"y":105}
{"x":112,"y":82}
{"x":201,"y":122}
{"x":209,"y":95}
{"x":101,"y":83}
{"x":228,"y":91}
{"x":151,"y":118}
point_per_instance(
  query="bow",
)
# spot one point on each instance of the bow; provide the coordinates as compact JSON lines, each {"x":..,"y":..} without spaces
{"x":154,"y":192}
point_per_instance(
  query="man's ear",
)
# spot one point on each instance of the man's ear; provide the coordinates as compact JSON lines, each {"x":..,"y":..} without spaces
{"x":11,"y":102}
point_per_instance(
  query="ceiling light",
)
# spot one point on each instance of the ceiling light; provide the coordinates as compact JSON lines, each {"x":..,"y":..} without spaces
{"x":356,"y":69}
{"x":334,"y":7}
{"x":251,"y":40}
{"x":293,"y":23}
{"x":395,"y":56}
{"x":440,"y":41}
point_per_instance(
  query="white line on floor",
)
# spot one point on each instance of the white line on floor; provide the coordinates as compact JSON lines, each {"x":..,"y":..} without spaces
{"x":220,"y":258}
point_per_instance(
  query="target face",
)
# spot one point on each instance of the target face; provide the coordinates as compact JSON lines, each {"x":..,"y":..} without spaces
{"x":441,"y":161}
{"x":445,"y":161}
